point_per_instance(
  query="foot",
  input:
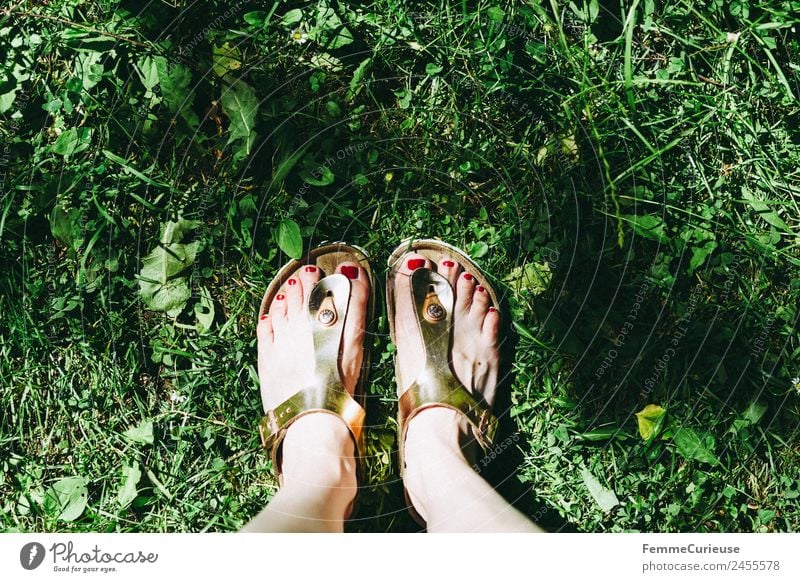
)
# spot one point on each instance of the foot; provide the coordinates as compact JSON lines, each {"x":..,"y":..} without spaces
{"x":318,"y":449}
{"x":439,"y":432}
{"x":285,"y":343}
{"x":475,"y":356}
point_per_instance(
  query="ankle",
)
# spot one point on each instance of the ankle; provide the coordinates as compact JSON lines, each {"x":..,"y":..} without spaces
{"x":318,"y":451}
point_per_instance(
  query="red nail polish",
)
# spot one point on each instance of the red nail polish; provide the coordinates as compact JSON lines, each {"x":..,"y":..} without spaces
{"x":414,"y":264}
{"x":468,"y":277}
{"x":280,"y":297}
{"x":448,"y":264}
{"x":481,"y":289}
{"x":311,"y":269}
{"x":292,"y":282}
{"x":492,"y":310}
{"x":350,"y":272}
{"x":263,"y":317}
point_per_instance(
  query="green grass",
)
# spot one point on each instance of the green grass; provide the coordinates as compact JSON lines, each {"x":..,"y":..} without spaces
{"x":627,"y":173}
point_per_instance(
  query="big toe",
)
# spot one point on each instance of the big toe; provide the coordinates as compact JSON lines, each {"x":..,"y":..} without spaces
{"x":355,"y":324}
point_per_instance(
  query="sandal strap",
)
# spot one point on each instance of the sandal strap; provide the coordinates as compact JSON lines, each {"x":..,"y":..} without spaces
{"x":436,"y":385}
{"x":327,"y":309}
{"x":481,"y":420}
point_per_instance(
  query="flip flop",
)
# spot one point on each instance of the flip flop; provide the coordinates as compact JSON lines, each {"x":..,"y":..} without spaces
{"x":328,"y":305}
{"x":436,"y":384}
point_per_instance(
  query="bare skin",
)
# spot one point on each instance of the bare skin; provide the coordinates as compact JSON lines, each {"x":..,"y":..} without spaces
{"x":318,"y":452}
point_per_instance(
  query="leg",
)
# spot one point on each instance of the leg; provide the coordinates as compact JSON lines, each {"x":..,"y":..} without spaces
{"x":319,"y":479}
{"x":440,"y":480}
{"x":318,"y":464}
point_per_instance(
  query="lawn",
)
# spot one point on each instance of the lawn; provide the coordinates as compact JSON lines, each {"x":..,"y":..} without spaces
{"x":627,"y":173}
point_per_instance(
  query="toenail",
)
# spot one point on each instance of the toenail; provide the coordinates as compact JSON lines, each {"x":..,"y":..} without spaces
{"x":311,"y":269}
{"x":492,"y":310}
{"x":292,"y":282}
{"x":263,"y":317}
{"x":480,"y":289}
{"x":468,"y":277}
{"x":280,"y":297}
{"x":414,"y":264}
{"x":448,"y":264}
{"x":350,"y":272}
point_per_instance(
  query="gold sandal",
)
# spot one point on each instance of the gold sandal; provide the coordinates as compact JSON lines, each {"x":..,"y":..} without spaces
{"x":328,"y":308}
{"x":435,"y":385}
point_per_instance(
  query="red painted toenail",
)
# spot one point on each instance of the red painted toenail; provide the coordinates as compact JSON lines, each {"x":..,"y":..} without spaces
{"x":480,"y":289}
{"x":448,"y":264}
{"x":292,"y":282}
{"x":263,"y":317}
{"x":280,"y":297}
{"x":414,"y":264}
{"x":492,"y":310}
{"x":468,"y":277}
{"x":350,"y":272}
{"x":311,"y":269}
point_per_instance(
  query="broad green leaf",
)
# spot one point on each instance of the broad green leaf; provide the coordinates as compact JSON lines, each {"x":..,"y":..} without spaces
{"x":160,"y":286}
{"x":358,"y":77}
{"x":65,"y":225}
{"x":148,"y":72}
{"x":292,"y":17}
{"x":175,"y":80}
{"x":478,"y":250}
{"x":696,"y":446}
{"x":432,"y":69}
{"x":531,"y":277}
{"x":226,"y":58}
{"x":328,"y":30}
{"x":257,"y":18}
{"x":89,"y":68}
{"x":647,"y":225}
{"x":289,"y":239}
{"x":754,"y":412}
{"x":764,"y":211}
{"x":495,"y":14}
{"x":66,"y":499}
{"x":173,"y":232}
{"x":604,"y":496}
{"x":72,"y":141}
{"x":167,"y":261}
{"x":169,"y":297}
{"x":240,"y":104}
{"x":204,"y":311}
{"x":317,"y":175}
{"x":7,"y":99}
{"x":699,"y":255}
{"x":128,"y":488}
{"x":141,"y":433}
{"x":649,"y":419}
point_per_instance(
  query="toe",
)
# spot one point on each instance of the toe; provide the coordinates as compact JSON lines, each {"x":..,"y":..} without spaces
{"x":413,"y":261}
{"x":465,"y":289}
{"x":277,"y":309}
{"x":491,"y":326}
{"x":449,"y":269}
{"x":264,"y":330}
{"x":309,"y":275}
{"x":355,"y":324}
{"x":480,"y":302}
{"x":294,"y":294}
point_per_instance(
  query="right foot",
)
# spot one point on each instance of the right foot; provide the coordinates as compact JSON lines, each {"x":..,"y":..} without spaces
{"x":474,"y":353}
